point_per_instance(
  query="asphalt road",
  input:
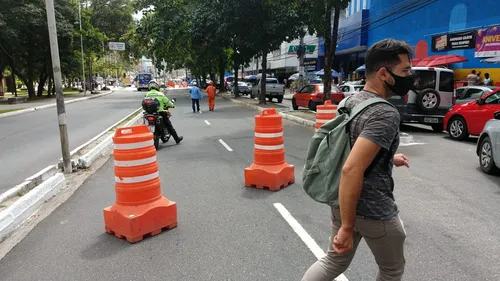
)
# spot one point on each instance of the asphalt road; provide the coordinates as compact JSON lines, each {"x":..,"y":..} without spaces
{"x":229,"y":232}
{"x":30,"y":142}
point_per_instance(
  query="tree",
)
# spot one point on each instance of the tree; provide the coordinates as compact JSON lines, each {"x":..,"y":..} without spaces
{"x":276,"y":22}
{"x":319,"y":14}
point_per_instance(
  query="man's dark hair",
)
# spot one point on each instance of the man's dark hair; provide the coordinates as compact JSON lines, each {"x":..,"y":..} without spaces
{"x":473,"y":71}
{"x":487,"y":75}
{"x":385,"y":53}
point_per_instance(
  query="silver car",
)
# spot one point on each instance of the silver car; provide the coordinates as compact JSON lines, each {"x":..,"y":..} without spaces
{"x":471,"y":93}
{"x":351,"y":89}
{"x":488,"y":146}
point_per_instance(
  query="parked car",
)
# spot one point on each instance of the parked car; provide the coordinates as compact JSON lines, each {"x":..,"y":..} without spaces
{"x":273,"y":89}
{"x":469,"y":118}
{"x":351,"y":89}
{"x":244,"y":88}
{"x":488,"y":146}
{"x":311,"y":96}
{"x":431,"y":99}
{"x":471,"y":93}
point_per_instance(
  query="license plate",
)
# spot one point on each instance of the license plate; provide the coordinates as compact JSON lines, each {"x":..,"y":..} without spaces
{"x":431,"y":120}
{"x":151,"y":128}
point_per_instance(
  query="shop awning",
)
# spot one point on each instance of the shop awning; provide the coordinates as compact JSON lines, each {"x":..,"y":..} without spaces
{"x":322,"y":73}
{"x":441,"y":60}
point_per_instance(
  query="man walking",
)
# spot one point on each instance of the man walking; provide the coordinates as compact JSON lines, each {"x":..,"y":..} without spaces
{"x":196,"y":95}
{"x":366,"y":201}
{"x":211,"y":96}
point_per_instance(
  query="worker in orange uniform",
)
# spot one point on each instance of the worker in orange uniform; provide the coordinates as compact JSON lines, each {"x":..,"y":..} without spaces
{"x":211,"y":96}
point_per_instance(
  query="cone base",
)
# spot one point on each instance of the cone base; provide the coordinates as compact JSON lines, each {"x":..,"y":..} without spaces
{"x":274,"y":177}
{"x":135,"y":222}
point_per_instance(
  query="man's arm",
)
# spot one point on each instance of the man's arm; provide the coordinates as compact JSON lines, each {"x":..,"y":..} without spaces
{"x":351,"y":181}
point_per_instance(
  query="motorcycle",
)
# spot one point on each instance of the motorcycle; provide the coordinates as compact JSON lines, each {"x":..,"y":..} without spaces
{"x":155,"y":121}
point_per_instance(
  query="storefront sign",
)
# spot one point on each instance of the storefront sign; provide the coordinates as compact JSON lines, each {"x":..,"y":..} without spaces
{"x":310,"y":65}
{"x":488,"y":42}
{"x":454,"y":41}
{"x":309,"y":49}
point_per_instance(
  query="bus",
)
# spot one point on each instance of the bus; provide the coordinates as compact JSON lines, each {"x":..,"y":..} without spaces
{"x":142,"y":80}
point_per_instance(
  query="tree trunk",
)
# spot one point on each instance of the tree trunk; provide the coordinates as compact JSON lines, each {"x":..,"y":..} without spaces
{"x":262,"y":98}
{"x":222,"y":72}
{"x":14,"y":88}
{"x":42,"y":79}
{"x":330,"y":49}
{"x":235,"y":81}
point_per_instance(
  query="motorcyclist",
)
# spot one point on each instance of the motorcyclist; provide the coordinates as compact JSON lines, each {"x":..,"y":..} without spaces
{"x":165,"y":103}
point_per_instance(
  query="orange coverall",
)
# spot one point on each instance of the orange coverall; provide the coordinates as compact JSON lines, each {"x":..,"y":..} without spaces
{"x":211,"y":97}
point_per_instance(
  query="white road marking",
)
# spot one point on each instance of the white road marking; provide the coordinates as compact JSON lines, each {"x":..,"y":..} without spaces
{"x":304,"y":236}
{"x":411,"y":144}
{"x":208,"y":123}
{"x":225,"y":145}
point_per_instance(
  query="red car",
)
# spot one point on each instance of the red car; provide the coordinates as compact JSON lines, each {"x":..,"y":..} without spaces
{"x":469,"y":118}
{"x":312,"y":95}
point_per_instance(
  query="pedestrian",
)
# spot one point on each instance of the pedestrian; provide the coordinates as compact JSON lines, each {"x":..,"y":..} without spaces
{"x":472,"y":78}
{"x":487,"y":80}
{"x":196,"y":95}
{"x":367,"y":207}
{"x":211,"y":96}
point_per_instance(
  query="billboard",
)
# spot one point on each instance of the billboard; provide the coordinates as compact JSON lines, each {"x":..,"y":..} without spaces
{"x":454,"y":41}
{"x":488,"y":42}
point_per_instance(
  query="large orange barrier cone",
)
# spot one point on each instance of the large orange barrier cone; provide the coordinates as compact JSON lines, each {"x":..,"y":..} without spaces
{"x":325,"y":113}
{"x":140,"y":207}
{"x":269,"y":169}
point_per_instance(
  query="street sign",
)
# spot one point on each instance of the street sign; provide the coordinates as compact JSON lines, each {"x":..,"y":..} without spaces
{"x":293,"y":49}
{"x":116,"y":46}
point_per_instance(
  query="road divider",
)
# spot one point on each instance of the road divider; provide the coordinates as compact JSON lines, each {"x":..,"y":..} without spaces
{"x":21,"y":201}
{"x":325,"y":113}
{"x":31,"y":109}
{"x":269,"y":169}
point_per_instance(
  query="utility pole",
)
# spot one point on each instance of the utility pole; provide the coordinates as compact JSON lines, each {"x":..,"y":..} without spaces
{"x":81,"y":45}
{"x":56,"y":66}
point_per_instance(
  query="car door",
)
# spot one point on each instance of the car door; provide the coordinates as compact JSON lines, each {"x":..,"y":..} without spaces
{"x":306,"y":95}
{"x":483,"y":111}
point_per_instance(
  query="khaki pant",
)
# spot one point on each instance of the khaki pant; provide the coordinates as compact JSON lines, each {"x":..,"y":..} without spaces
{"x":385,"y":239}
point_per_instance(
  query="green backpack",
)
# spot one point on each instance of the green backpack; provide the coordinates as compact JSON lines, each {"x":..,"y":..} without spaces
{"x":328,"y":150}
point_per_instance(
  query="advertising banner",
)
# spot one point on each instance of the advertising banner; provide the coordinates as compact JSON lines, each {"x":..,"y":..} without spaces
{"x":310,"y":65}
{"x":488,"y":42}
{"x":454,"y":41}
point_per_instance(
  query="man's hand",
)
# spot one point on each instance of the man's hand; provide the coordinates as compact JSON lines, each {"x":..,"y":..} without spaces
{"x":400,"y":160}
{"x":343,"y":242}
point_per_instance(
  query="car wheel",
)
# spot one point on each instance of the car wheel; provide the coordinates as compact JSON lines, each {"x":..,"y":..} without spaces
{"x":438,"y":128}
{"x":311,"y":105}
{"x":428,"y":100}
{"x":294,"y":104}
{"x":486,"y":160}
{"x":457,"y":128}
{"x":280,"y":99}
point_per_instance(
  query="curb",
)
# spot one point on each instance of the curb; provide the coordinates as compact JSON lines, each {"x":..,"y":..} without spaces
{"x":14,"y":215}
{"x":104,"y":147}
{"x":31,"y":109}
{"x":299,"y":120}
{"x":256,"y":107}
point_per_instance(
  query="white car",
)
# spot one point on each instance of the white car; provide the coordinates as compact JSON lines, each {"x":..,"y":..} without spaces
{"x":488,"y":146}
{"x":350,"y":89}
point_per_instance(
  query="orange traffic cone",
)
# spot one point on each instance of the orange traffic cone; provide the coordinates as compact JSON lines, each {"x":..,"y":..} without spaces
{"x":325,"y":113}
{"x":269,"y":169}
{"x":140,"y":207}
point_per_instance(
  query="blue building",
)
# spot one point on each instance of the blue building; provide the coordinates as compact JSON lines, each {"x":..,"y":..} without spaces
{"x":432,"y":27}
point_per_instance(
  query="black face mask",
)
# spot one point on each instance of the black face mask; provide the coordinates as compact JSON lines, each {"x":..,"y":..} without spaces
{"x":402,"y":84}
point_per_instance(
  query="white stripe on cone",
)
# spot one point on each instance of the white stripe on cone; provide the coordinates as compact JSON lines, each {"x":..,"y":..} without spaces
{"x":269,"y":135}
{"x":326,"y":111}
{"x":129,"y":146}
{"x":132,"y":163}
{"x":269,"y":147}
{"x":137,"y":179}
{"x":323,"y":121}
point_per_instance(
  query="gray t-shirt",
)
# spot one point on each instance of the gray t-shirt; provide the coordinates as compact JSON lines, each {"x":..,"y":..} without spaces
{"x":378,"y":123}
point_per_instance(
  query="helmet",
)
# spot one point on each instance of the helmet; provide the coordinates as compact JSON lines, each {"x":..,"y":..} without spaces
{"x":153,"y":85}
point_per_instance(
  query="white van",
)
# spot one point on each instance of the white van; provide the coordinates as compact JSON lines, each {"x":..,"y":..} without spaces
{"x":431,"y":99}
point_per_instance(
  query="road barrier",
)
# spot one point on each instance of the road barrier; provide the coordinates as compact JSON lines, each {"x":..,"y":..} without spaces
{"x":140,"y":207}
{"x":325,"y":113}
{"x":269,"y":169}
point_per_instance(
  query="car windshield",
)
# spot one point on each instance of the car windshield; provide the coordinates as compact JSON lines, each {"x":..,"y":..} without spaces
{"x":358,"y":88}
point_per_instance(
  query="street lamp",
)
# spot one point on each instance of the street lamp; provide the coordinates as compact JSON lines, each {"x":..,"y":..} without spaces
{"x":81,"y":45}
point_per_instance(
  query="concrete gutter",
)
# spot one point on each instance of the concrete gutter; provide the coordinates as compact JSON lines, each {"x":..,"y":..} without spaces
{"x":22,"y":111}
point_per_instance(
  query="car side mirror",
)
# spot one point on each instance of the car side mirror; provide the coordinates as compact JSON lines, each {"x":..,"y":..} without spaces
{"x":497,"y":115}
{"x":480,"y":101}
